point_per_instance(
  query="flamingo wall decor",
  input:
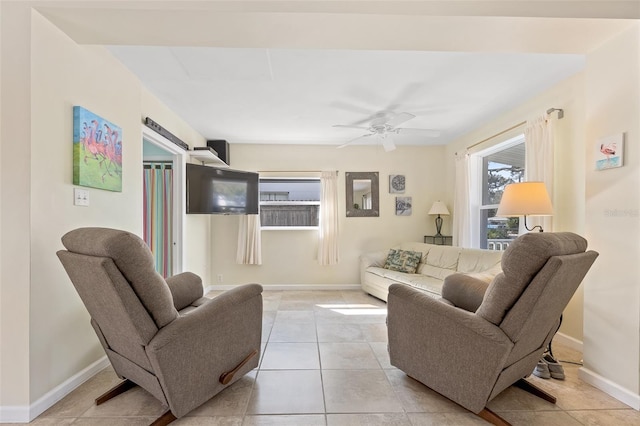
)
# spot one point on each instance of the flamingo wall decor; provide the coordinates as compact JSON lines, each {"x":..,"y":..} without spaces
{"x":609,"y":152}
{"x":97,"y":151}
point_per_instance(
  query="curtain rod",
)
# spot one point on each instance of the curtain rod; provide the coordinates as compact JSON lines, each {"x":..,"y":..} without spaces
{"x":549,"y":111}
{"x":497,"y":134}
{"x":560,"y":112}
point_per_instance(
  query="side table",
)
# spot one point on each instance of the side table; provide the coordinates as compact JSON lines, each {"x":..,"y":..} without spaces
{"x":440,"y":240}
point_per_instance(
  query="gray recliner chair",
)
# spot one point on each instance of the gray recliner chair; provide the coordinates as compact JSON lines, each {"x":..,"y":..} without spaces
{"x":162,"y":335}
{"x":481,"y":338}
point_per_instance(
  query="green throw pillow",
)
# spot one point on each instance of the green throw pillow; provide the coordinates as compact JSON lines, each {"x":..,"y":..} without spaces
{"x":403,"y":261}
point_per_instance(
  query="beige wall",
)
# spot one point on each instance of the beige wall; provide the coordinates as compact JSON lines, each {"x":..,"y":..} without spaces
{"x":46,"y":335}
{"x":64,"y":74}
{"x":568,"y":199}
{"x":612,"y":288}
{"x":14,"y":192}
{"x":289,"y":257}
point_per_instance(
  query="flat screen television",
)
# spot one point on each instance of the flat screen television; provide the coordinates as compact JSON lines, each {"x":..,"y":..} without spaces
{"x":221,"y":191}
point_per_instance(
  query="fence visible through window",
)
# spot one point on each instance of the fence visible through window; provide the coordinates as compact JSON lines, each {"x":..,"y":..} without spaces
{"x":289,"y":203}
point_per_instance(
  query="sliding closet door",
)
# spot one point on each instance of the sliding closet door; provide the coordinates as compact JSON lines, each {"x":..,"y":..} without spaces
{"x":158,"y":213}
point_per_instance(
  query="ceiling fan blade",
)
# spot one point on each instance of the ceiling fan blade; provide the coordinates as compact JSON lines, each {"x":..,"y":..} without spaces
{"x":387,"y":143}
{"x":399,"y":119}
{"x":429,"y":133}
{"x":348,"y":126}
{"x":355,"y":108}
{"x":353,"y":140}
{"x":405,"y":94}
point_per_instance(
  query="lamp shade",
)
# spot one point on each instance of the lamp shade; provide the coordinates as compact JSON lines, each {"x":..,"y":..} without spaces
{"x":525,"y":198}
{"x":439,"y":208}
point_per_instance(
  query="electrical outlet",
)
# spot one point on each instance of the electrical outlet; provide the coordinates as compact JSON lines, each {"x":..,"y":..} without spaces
{"x":80,"y":197}
{"x":219,"y":278}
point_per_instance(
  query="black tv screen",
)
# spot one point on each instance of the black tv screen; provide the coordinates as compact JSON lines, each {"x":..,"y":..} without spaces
{"x":221,"y":191}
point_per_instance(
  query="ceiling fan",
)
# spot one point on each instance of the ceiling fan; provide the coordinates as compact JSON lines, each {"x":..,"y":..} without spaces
{"x":384,"y":126}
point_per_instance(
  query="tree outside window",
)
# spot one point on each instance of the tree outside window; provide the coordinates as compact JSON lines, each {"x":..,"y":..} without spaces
{"x":499,"y":169}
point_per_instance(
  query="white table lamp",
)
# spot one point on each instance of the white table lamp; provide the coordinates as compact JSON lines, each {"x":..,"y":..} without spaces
{"x":525,"y":199}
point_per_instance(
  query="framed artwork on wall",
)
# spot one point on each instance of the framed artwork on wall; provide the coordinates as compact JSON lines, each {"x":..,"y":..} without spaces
{"x":403,"y":206}
{"x":396,"y":184}
{"x":97,"y":151}
{"x":610,"y":152}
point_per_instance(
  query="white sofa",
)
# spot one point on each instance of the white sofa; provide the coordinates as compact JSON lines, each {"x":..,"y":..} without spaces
{"x":436,"y":264}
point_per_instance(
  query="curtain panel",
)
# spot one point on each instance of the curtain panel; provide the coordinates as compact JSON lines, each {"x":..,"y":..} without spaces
{"x":249,"y":240}
{"x":539,"y":158}
{"x":462,"y":232}
{"x":328,"y":235}
{"x":158,"y":214}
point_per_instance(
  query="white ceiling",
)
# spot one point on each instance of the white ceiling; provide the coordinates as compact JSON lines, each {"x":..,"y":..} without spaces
{"x":285,"y":72}
{"x":292,"y":96}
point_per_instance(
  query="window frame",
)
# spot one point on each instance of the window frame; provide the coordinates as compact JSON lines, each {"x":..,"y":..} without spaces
{"x":480,"y":187}
{"x":292,"y":177}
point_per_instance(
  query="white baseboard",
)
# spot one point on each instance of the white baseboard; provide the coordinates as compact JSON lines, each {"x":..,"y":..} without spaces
{"x":14,"y":414}
{"x":569,"y":341}
{"x":293,"y":287}
{"x":25,"y":414}
{"x":607,"y":386}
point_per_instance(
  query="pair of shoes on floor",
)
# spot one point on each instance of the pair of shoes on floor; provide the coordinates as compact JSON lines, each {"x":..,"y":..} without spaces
{"x":548,"y":368}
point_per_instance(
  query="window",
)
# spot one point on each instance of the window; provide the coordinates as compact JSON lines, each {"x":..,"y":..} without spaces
{"x":499,"y":167}
{"x":289,"y":203}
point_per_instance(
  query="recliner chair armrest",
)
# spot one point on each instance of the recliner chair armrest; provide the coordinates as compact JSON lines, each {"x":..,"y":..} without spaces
{"x":209,"y":316}
{"x":453,"y":351}
{"x":185,"y":288}
{"x":433,"y":310}
{"x":191,"y":353}
{"x":464,"y":291}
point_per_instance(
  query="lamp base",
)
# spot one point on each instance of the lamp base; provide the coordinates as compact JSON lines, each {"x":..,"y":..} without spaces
{"x":527,"y":228}
{"x":438,"y":226}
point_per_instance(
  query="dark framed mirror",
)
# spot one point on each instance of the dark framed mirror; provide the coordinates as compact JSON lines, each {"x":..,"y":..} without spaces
{"x":362,"y":193}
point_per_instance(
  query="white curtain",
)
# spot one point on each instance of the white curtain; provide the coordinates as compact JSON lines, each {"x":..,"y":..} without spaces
{"x":328,"y":253}
{"x":462,"y":233}
{"x":539,"y":149}
{"x":249,"y":243}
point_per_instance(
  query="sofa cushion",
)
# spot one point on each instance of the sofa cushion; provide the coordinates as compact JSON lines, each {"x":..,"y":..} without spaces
{"x":423,"y":248}
{"x":432,"y":286}
{"x":476,"y":260}
{"x":403,"y":260}
{"x":441,"y":262}
{"x":388,"y":274}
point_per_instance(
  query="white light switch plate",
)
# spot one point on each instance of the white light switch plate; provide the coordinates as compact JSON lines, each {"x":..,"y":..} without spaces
{"x":80,"y":197}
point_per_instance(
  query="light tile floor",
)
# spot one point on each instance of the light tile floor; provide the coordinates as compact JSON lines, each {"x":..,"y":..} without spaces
{"x":325,"y":362}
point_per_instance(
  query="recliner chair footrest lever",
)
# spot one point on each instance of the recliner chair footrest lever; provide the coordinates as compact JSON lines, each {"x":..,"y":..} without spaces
{"x":226,"y":378}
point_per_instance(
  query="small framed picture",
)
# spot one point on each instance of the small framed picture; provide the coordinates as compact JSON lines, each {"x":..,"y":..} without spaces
{"x":396,"y":184}
{"x":610,"y":152}
{"x":403,"y":206}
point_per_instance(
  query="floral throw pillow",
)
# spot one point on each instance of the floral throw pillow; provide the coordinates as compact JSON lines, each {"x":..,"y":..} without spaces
{"x":403,"y":261}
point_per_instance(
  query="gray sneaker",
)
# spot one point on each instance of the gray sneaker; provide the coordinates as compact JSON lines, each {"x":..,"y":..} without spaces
{"x":542,"y":370}
{"x":555,"y":368}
